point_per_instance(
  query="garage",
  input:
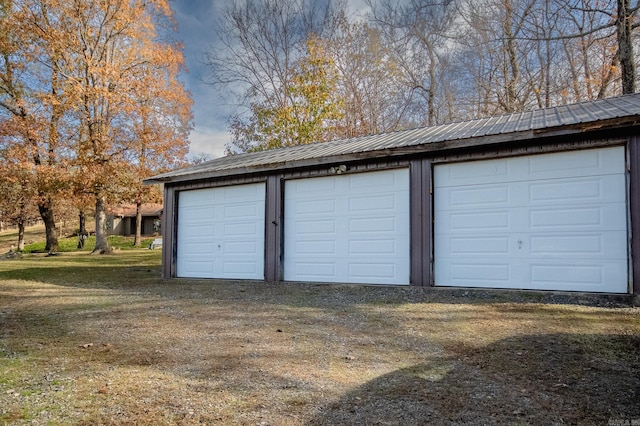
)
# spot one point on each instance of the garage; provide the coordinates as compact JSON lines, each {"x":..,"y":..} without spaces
{"x":348,"y":228}
{"x":544,"y":199}
{"x":544,"y":222}
{"x":220,"y":232}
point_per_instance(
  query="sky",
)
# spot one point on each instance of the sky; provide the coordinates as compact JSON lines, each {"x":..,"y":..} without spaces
{"x":196,"y":29}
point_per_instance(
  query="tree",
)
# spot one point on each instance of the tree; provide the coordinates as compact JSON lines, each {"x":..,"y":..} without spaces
{"x":310,"y":115}
{"x":159,"y":129}
{"x":419,"y":33}
{"x":16,"y":183}
{"x":104,"y":49}
{"x":257,"y":47}
{"x":30,"y":96}
{"x":371,"y":82}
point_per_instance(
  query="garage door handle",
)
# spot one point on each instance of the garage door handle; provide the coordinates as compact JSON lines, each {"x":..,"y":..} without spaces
{"x":519,"y":244}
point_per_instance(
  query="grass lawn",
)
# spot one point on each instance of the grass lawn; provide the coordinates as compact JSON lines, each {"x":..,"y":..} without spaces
{"x":35,"y":241}
{"x":103,"y":340}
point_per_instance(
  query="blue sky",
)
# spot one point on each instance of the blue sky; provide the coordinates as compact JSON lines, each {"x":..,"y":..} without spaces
{"x":196,"y":28}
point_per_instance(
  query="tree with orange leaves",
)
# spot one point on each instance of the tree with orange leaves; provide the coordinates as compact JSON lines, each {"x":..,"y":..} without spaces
{"x":101,"y":64}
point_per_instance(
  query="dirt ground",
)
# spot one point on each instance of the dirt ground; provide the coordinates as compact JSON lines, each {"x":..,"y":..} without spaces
{"x":103,"y":340}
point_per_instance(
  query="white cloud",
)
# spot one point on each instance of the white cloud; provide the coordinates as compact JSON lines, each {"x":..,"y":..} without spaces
{"x":208,"y":141}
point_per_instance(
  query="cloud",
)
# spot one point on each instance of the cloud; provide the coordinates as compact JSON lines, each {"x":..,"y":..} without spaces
{"x":208,"y":141}
{"x":197,"y":21}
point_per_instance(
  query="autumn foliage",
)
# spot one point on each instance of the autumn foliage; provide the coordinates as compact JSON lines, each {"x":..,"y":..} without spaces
{"x":90,"y":100}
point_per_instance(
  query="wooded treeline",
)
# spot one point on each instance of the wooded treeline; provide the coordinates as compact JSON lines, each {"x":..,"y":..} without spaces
{"x":305,"y":71}
{"x":90,"y":104}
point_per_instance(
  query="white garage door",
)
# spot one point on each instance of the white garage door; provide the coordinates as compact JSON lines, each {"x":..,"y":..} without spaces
{"x":351,"y":228}
{"x":221,"y":232}
{"x":548,"y":222}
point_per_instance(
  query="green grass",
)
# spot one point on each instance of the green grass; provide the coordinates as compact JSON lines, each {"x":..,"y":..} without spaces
{"x":71,"y":244}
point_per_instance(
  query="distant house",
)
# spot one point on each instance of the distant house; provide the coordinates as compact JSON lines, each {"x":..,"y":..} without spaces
{"x":121,"y":220}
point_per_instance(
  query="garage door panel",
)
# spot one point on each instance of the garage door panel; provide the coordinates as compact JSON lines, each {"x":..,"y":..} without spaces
{"x":539,"y":167}
{"x":607,"y":189}
{"x":372,"y":224}
{"x":198,"y":198}
{"x":368,"y":222}
{"x":372,"y":272}
{"x":477,"y":172}
{"x":373,"y":204}
{"x":313,"y":227}
{"x":242,"y":229}
{"x":580,"y":276}
{"x":241,"y":193}
{"x":550,"y":217}
{"x":319,"y":247}
{"x":473,"y":197}
{"x":241,"y":210}
{"x":476,"y":245}
{"x":196,"y":231}
{"x":316,"y":206}
{"x":574,"y":163}
{"x":368,"y":246}
{"x":221,"y":232}
{"x":197,"y":248}
{"x":239,"y":268}
{"x":314,"y":271}
{"x":594,"y":247}
{"x":481,"y":272}
{"x":197,"y":214}
{"x":241,"y":247}
{"x":199,"y":269}
{"x":372,"y":182}
{"x":488,"y":221}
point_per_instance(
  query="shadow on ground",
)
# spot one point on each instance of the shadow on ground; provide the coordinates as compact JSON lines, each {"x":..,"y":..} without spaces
{"x":542,"y":379}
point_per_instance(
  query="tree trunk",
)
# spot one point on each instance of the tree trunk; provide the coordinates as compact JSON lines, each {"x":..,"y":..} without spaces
{"x":625,"y":47}
{"x":20,"y":234}
{"x":102,"y":245}
{"x":138,"y":238}
{"x":82,"y":229}
{"x":82,"y":225}
{"x":46,"y":213}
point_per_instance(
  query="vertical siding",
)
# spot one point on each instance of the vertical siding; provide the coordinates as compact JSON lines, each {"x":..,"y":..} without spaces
{"x":427,"y":230}
{"x":416,"y":197}
{"x":273,"y":229}
{"x":421,"y":223}
{"x":634,"y":208}
{"x":169,"y":220}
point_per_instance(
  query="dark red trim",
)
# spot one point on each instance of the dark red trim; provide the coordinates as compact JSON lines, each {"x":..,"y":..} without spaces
{"x":421,"y":222}
{"x":427,"y":227}
{"x":169,"y":232}
{"x":634,"y":209}
{"x":416,"y":224}
{"x":273,"y":229}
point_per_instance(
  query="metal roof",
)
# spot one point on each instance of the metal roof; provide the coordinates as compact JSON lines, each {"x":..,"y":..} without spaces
{"x":565,"y":119}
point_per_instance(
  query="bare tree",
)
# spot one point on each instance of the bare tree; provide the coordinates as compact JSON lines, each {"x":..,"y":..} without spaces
{"x":420,"y":34}
{"x":257,"y":46}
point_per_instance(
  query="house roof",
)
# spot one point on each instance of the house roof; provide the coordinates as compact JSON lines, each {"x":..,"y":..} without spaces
{"x":129,"y":210}
{"x":623,"y":111}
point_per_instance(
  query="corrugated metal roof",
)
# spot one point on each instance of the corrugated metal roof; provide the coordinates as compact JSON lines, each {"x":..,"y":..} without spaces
{"x":625,"y":110}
